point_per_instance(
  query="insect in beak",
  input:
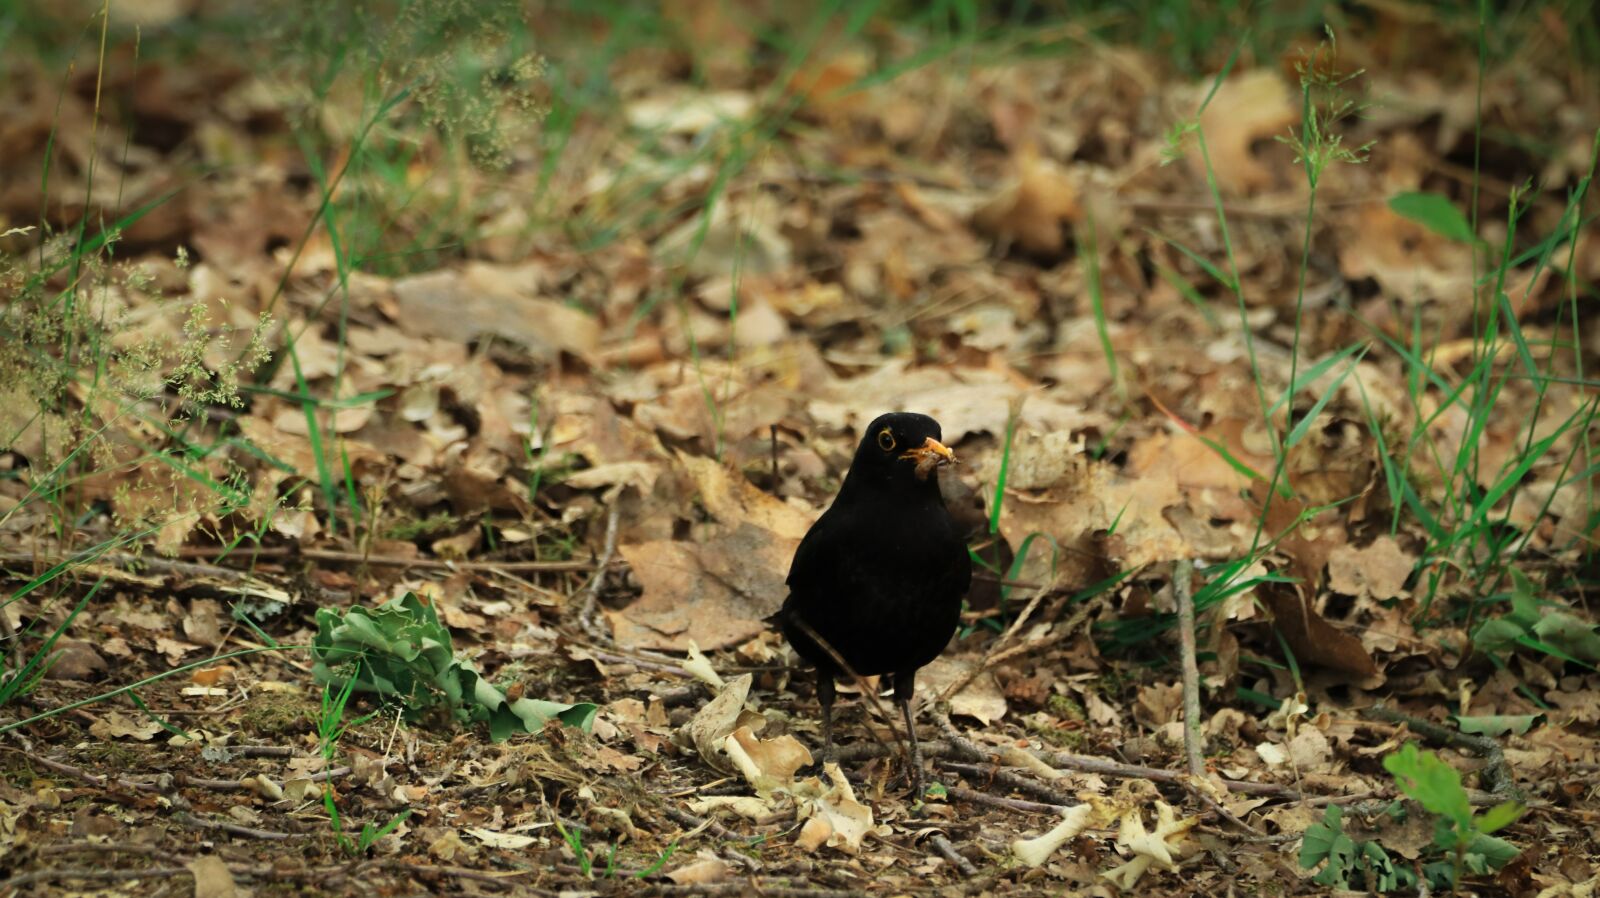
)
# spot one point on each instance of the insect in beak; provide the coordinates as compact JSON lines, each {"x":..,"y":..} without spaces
{"x":930,"y":455}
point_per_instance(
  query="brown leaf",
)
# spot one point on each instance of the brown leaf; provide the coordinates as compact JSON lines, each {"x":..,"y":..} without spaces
{"x":488,"y":300}
{"x":1378,"y":571}
{"x":1037,"y":210}
{"x":1315,"y":641}
{"x":715,"y":594}
{"x":1249,"y":107}
{"x":733,"y":500}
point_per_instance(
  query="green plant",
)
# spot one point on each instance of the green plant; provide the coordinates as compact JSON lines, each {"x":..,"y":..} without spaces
{"x":401,"y":652}
{"x":1466,"y":837}
{"x":1350,"y":863}
{"x":331,"y":727}
{"x":1544,"y":627}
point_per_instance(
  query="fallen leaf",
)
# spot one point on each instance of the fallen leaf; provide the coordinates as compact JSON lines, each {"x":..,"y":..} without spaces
{"x":708,"y":730}
{"x":980,"y":699}
{"x":835,"y":818}
{"x":767,"y":764}
{"x":116,"y":725}
{"x":701,"y":872}
{"x":1249,"y":107}
{"x":1377,"y":571}
{"x":212,"y":878}
{"x":506,"y":841}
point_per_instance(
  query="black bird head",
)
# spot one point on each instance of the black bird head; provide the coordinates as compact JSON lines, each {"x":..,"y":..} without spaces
{"x":900,"y":451}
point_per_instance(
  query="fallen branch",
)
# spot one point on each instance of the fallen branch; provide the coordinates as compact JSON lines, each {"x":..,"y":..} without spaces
{"x":1183,"y":589}
{"x":949,"y":853}
{"x":1496,"y":772}
{"x":1019,"y":805}
{"x":1011,"y":780}
{"x":591,"y":603}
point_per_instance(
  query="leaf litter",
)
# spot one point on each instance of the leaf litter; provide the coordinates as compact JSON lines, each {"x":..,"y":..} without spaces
{"x":934,"y":242}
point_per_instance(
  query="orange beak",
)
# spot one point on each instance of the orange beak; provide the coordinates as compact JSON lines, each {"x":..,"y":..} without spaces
{"x":930,"y":455}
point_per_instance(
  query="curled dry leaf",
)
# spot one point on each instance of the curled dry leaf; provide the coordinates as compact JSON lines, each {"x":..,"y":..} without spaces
{"x":835,"y":818}
{"x":747,"y":806}
{"x":710,"y":726}
{"x":1035,"y":851}
{"x":701,"y":872}
{"x":767,"y":764}
{"x":699,"y":667}
{"x":1150,"y":849}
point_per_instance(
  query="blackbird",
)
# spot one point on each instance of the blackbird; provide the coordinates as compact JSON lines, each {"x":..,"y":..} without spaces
{"x":879,"y":578}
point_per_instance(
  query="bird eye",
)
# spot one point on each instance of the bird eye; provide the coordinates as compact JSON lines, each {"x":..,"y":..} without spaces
{"x":886,"y":440}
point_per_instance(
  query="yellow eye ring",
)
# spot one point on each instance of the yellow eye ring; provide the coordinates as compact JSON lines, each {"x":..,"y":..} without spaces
{"x":886,"y":440}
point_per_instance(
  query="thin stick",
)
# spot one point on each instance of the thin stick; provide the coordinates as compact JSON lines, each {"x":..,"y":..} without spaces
{"x":1011,"y":780}
{"x":334,"y":555}
{"x":999,"y":647}
{"x":591,"y":604}
{"x":1183,"y":587}
{"x":1018,"y":805}
{"x":949,"y":853}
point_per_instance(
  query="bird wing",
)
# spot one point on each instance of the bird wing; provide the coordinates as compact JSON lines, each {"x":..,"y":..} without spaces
{"x":805,"y":569}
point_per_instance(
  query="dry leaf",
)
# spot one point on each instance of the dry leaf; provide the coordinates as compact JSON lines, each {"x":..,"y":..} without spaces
{"x":1378,"y":571}
{"x":836,"y":819}
{"x":1249,"y":107}
{"x":116,"y":725}
{"x":212,"y":878}
{"x":767,"y":764}
{"x":711,"y":725}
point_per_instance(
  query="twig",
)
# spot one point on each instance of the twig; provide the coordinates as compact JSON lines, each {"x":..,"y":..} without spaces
{"x":961,"y":748}
{"x":15,"y":883}
{"x":1000,"y":646}
{"x":497,"y":876}
{"x":1011,"y":780}
{"x":331,"y":555}
{"x":1496,"y":773}
{"x":949,"y":853}
{"x":684,"y":818}
{"x":864,"y":751}
{"x":1019,"y":805}
{"x":1192,"y":786}
{"x":591,"y":603}
{"x":772,"y":431}
{"x":1183,"y":588}
{"x":190,"y":820}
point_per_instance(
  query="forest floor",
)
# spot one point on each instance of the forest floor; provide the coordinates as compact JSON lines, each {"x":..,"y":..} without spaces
{"x":566,"y":326}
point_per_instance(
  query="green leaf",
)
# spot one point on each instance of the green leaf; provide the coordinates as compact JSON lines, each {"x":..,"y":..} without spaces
{"x":1498,"y":724}
{"x":1435,"y":213}
{"x":1497,"y":818}
{"x":1573,"y":635}
{"x":1432,"y":783}
{"x":1319,"y":838}
{"x":1497,"y":852}
{"x":1498,"y":636}
{"x":401,"y":651}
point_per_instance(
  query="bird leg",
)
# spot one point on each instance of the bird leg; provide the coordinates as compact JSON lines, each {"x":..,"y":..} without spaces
{"x":904,"y":687}
{"x":825,"y":699}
